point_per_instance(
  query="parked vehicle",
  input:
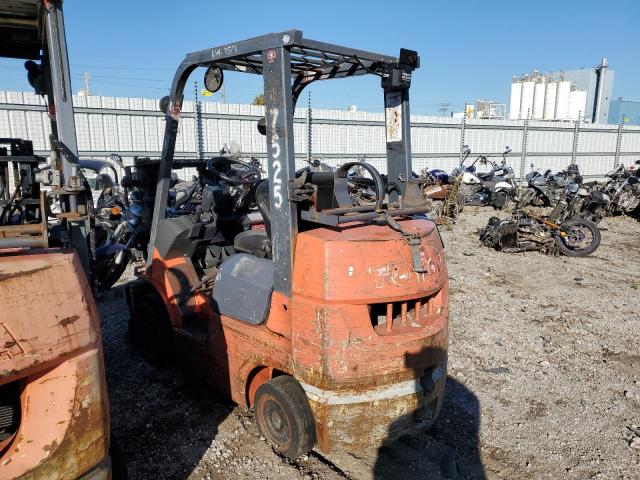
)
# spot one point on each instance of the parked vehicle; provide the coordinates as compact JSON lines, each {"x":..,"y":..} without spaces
{"x":54,"y":407}
{"x":447,"y":200}
{"x":310,"y":315}
{"x":545,"y":189}
{"x":115,"y":241}
{"x":623,"y":190}
{"x":525,"y":231}
{"x":580,"y":199}
{"x":103,"y":178}
{"x":495,"y":188}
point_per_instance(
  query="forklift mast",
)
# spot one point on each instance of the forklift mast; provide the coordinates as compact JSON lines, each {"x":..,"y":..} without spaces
{"x":288,"y":63}
{"x":33,"y":30}
{"x":53,"y":392}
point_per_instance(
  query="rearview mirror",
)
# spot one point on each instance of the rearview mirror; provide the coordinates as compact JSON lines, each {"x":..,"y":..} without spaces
{"x":164,"y":104}
{"x":262,"y":126}
{"x":213,"y":78}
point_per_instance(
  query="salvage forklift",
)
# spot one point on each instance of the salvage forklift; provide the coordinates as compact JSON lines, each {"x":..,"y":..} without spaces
{"x":329,"y":319}
{"x":54,"y":411}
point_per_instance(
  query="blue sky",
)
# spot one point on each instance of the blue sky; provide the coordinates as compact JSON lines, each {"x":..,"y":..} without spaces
{"x":469,"y":49}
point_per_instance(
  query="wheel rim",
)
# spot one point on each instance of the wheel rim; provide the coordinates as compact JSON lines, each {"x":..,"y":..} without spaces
{"x":579,"y":237}
{"x":275,"y":423}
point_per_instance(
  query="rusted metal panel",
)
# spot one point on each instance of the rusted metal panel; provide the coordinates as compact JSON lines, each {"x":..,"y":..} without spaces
{"x":234,"y":349}
{"x":47,"y":311}
{"x":359,"y":376}
{"x":64,"y":427}
{"x":364,"y":381}
{"x":50,"y":342}
{"x":330,"y":264}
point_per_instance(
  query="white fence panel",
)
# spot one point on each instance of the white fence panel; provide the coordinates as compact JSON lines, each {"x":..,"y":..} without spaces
{"x":336,"y":135}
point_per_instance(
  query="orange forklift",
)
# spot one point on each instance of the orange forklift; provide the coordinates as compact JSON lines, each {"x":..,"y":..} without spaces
{"x":54,"y":410}
{"x":329,"y":319}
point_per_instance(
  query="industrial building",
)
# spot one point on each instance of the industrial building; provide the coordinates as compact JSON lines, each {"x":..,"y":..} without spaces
{"x":626,"y":112}
{"x":564,"y":95}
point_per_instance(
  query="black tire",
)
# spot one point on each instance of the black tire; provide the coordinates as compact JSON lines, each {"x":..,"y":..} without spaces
{"x":284,"y":417}
{"x":572,"y":225}
{"x":150,"y":330}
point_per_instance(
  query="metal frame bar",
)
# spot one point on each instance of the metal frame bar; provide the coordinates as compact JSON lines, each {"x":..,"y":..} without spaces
{"x":56,"y":45}
{"x":288,"y":62}
{"x":281,"y":164}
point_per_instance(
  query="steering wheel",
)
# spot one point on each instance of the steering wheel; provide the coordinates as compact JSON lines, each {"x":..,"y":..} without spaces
{"x":247,"y":175}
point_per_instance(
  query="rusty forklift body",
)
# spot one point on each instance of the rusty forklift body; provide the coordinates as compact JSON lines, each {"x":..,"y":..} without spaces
{"x":347,"y":312}
{"x":54,"y":412}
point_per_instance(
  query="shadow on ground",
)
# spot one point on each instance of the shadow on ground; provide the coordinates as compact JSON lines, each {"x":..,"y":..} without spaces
{"x":450,"y":449}
{"x":156,"y":413}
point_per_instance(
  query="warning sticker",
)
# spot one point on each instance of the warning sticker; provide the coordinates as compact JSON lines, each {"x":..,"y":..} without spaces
{"x":393,"y":115}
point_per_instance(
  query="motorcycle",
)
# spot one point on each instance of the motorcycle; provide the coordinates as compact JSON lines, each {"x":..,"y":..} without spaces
{"x":580,"y":199}
{"x":495,"y":187}
{"x":115,"y":238}
{"x":623,"y":189}
{"x":525,"y":231}
{"x":544,"y":189}
{"x":447,"y":200}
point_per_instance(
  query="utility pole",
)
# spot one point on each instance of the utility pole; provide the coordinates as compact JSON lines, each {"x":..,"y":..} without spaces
{"x":444,"y":108}
{"x":85,"y":91}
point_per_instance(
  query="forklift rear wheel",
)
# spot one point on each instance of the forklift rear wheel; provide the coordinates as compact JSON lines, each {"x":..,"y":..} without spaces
{"x":150,"y":330}
{"x":284,"y":416}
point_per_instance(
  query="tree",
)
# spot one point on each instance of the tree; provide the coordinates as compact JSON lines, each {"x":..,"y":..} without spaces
{"x":258,"y":100}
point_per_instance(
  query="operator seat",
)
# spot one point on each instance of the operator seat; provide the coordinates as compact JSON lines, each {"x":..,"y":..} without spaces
{"x":257,"y":242}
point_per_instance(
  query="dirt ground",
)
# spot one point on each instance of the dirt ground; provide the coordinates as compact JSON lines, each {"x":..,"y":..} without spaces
{"x":544,"y":381}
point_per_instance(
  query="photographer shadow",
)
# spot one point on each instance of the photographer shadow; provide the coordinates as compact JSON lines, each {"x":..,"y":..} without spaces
{"x":449,"y":449}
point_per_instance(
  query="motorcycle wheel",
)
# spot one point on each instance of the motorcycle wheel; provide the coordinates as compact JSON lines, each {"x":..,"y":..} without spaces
{"x":582,"y":237}
{"x":106,"y":271}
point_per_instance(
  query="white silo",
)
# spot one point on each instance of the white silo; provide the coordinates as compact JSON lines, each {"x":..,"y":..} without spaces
{"x":562,"y":100}
{"x":514,"y":101}
{"x":577,"y":103}
{"x":526,"y":101}
{"x":538,"y":99}
{"x":550,"y":101}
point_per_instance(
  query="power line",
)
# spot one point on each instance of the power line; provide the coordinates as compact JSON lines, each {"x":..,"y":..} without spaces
{"x":121,"y":67}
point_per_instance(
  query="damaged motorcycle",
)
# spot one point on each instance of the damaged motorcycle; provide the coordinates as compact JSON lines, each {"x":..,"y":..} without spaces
{"x":525,"y":231}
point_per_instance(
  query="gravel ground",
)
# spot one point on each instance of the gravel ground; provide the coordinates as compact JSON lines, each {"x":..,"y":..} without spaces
{"x":544,"y":380}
